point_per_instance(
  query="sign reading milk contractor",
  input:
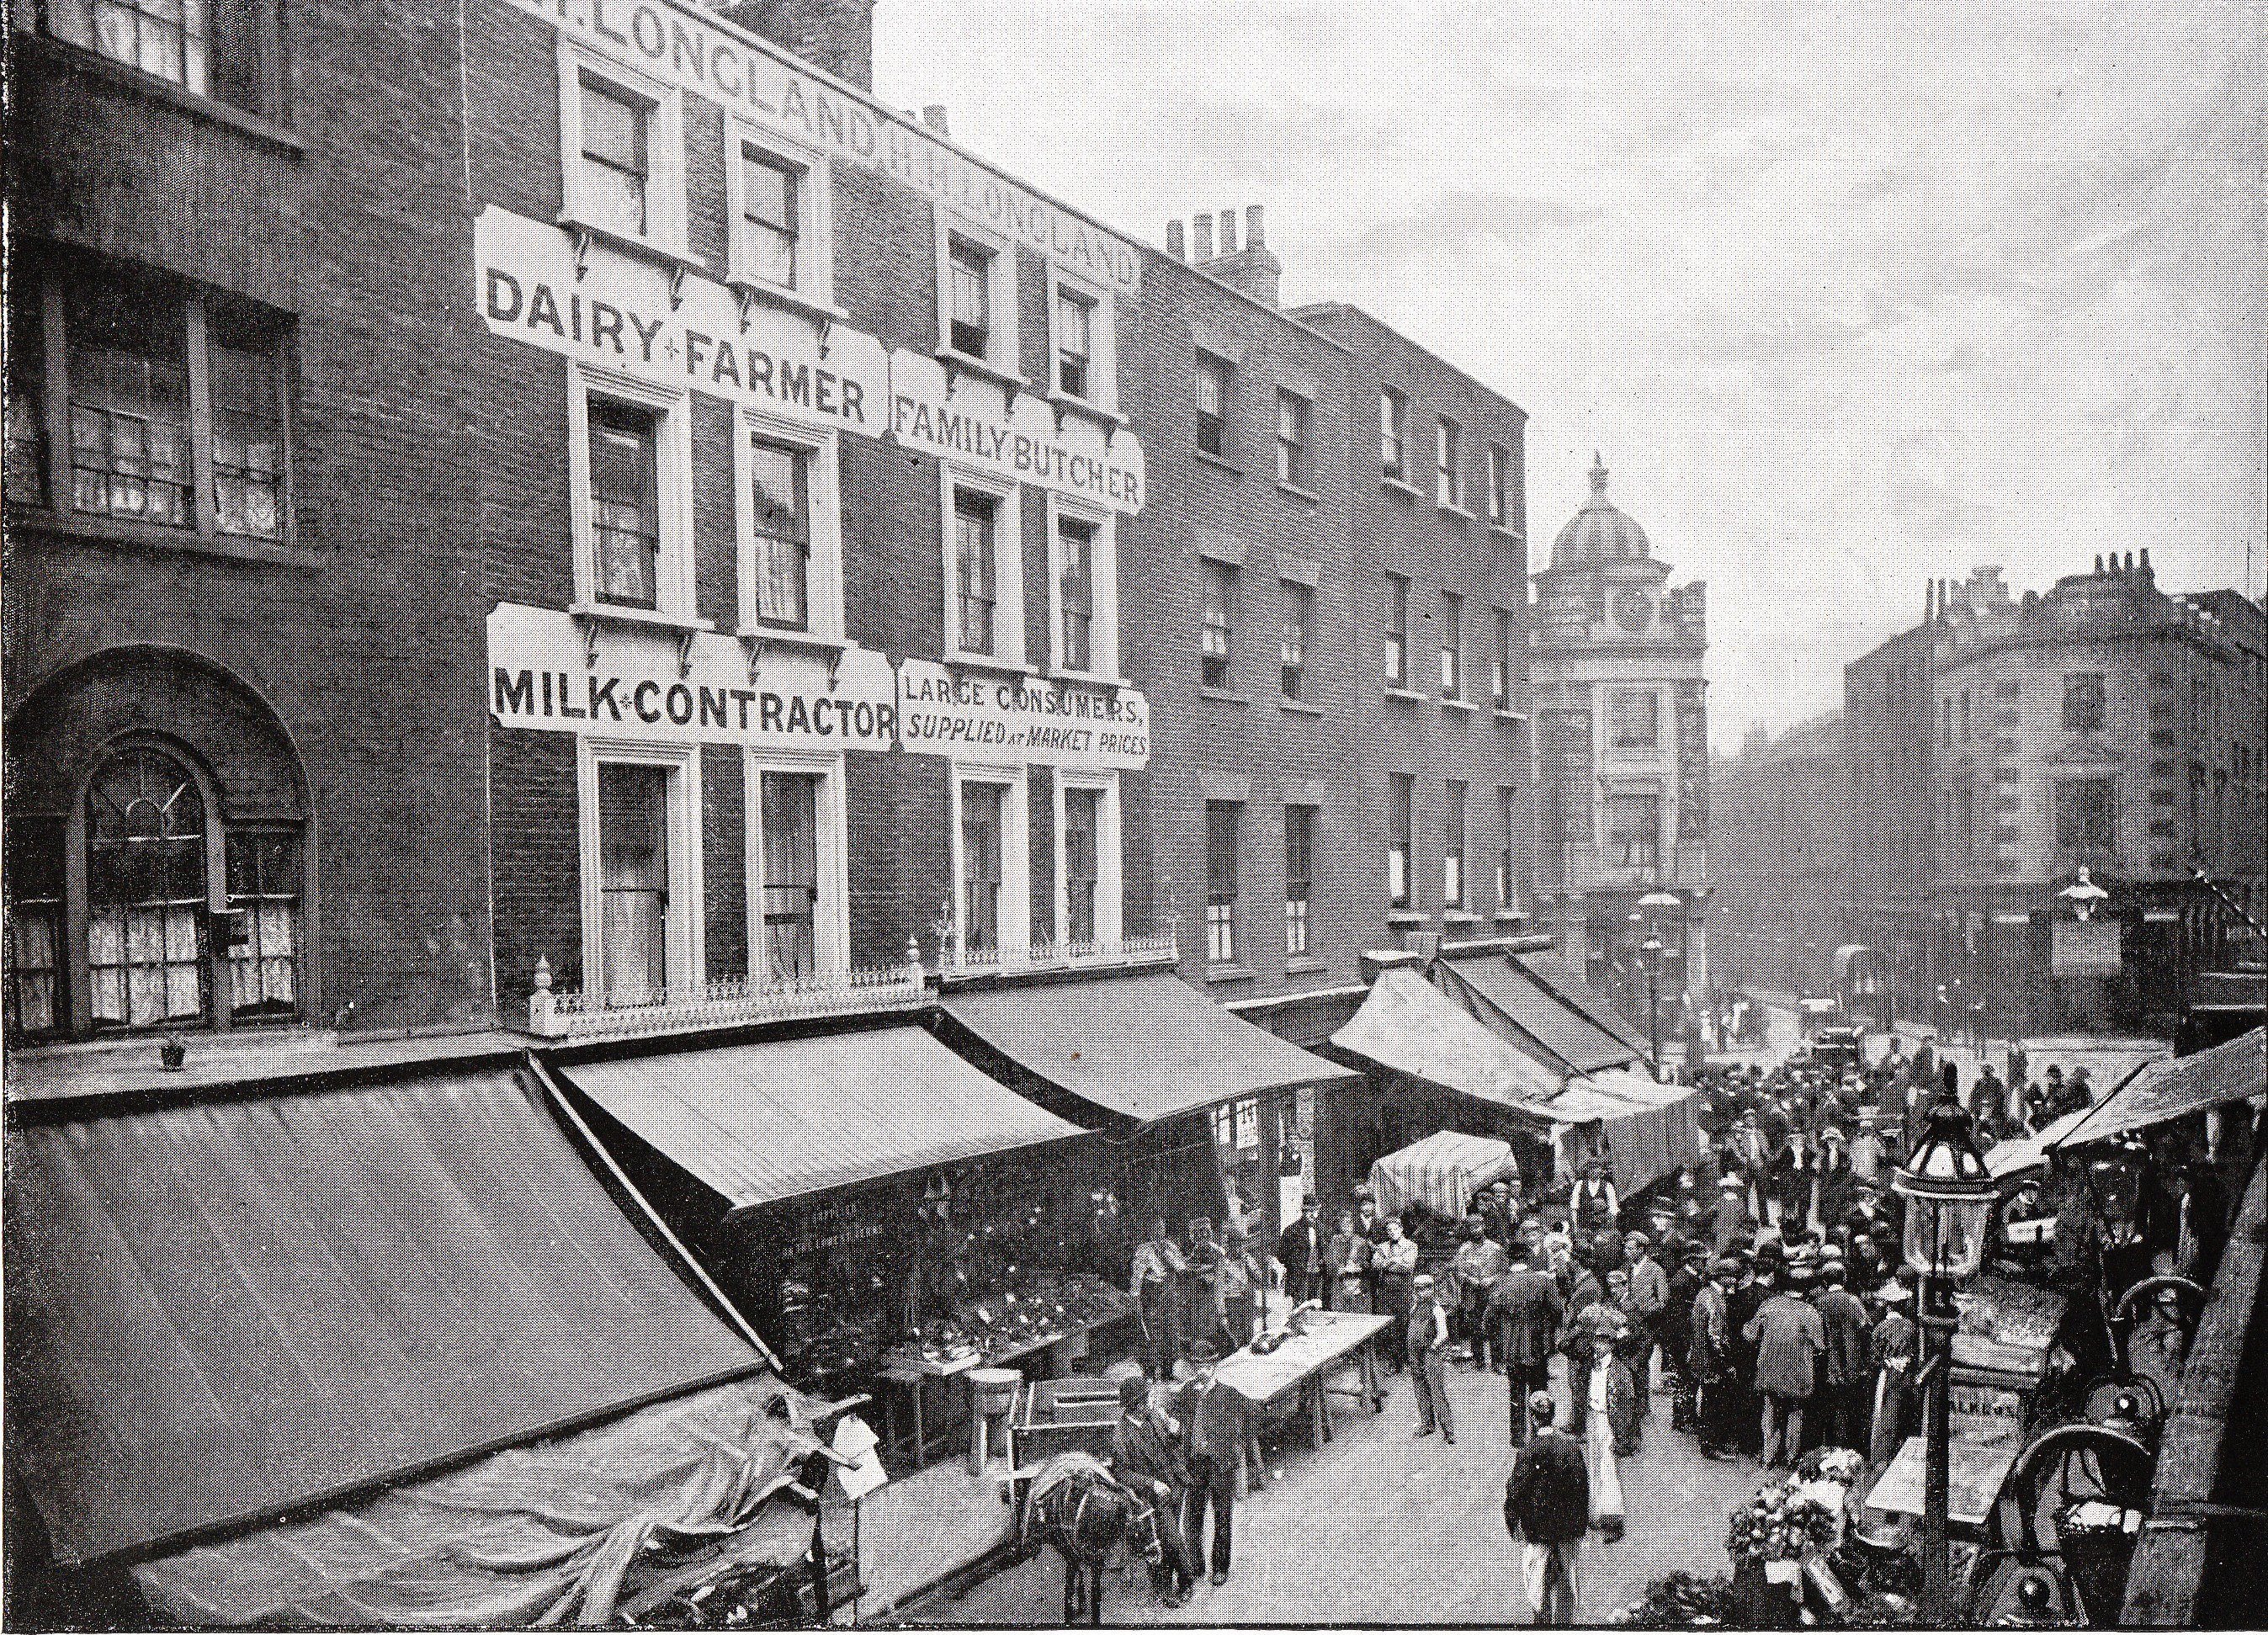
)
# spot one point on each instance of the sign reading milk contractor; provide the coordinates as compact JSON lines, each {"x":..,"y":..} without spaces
{"x":618,"y":315}
{"x":541,"y":675}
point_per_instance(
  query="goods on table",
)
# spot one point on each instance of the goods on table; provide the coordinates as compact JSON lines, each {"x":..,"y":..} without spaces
{"x":1048,"y":1307}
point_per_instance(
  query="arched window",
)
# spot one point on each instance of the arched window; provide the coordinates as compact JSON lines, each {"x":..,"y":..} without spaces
{"x":148,"y":960}
{"x":148,"y":908}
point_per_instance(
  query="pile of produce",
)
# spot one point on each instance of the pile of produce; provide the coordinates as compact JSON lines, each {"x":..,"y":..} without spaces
{"x":1783,"y":1522}
{"x":1682,"y":1601}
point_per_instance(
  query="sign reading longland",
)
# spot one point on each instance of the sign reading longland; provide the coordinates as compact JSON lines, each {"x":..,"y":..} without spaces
{"x":547,"y":675}
{"x":693,"y":52}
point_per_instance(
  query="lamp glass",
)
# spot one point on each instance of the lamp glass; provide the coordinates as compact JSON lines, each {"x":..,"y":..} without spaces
{"x":1949,"y":1196}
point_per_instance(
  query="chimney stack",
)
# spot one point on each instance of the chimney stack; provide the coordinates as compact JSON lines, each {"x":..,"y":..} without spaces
{"x":1252,"y":239}
{"x":1228,"y":232}
{"x":1252,"y":269}
{"x":838,"y":36}
{"x":1202,"y":249}
{"x":933,"y":116}
{"x":1929,"y":602}
{"x":1174,"y":245}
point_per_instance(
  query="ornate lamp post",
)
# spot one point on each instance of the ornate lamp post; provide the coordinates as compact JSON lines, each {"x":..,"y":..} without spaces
{"x":1652,"y":906}
{"x":1948,"y":1197}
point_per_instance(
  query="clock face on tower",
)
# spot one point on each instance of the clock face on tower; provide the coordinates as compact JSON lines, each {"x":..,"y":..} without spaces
{"x":1633,"y":609}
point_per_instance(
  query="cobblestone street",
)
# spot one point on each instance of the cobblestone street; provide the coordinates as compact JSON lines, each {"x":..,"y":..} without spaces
{"x":1385,"y":1526}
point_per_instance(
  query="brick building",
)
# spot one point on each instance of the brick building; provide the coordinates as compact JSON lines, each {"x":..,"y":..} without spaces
{"x":2101,"y":725}
{"x":1622,"y":755}
{"x":1781,"y":824}
{"x":1886,"y":738}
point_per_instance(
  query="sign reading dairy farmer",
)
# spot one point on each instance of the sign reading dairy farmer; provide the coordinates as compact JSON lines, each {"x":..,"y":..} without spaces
{"x":540,"y":676}
{"x":984,"y":717}
{"x":618,"y":316}
{"x":692,"y":51}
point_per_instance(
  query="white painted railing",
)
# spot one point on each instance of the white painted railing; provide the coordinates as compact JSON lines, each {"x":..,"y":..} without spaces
{"x":1159,"y":947}
{"x":728,"y":1002}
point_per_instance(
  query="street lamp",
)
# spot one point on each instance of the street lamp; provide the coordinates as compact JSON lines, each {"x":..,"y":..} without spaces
{"x":1948,"y":1196}
{"x":2084,"y":895}
{"x":1652,"y":949}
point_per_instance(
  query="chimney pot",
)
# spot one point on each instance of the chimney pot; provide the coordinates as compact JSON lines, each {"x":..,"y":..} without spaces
{"x":2098,"y":562}
{"x":1203,"y":248}
{"x":1253,"y":240}
{"x":933,"y":116}
{"x":1174,"y":245}
{"x":1228,"y":232}
{"x":2129,"y":561}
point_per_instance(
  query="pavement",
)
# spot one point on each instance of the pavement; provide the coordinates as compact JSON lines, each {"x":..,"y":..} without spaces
{"x":1386,"y":1527}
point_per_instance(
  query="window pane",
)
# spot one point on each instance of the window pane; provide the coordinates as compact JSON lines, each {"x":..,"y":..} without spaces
{"x":780,"y":503}
{"x":769,"y":215}
{"x":1082,"y":823}
{"x":129,"y":402}
{"x":26,"y":475}
{"x":790,"y":816}
{"x":167,"y":38}
{"x":633,"y":883}
{"x":1298,"y":606}
{"x":1075,"y":593}
{"x":247,"y":428}
{"x":969,"y":277}
{"x":1220,"y":881}
{"x":1215,"y":640}
{"x":145,"y":865}
{"x":973,"y":570}
{"x":613,"y":158}
{"x":1074,"y":343}
{"x":264,"y":895}
{"x":1299,"y":876}
{"x":980,"y":864}
{"x":625,"y":502}
{"x":33,"y":990}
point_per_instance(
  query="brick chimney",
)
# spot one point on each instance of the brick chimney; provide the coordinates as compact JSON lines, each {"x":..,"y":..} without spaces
{"x":1252,"y":269}
{"x":837,"y":35}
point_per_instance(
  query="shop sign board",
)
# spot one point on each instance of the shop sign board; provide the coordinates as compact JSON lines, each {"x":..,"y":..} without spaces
{"x":626,"y":683}
{"x":618,"y":314}
{"x":554,"y":671}
{"x":687,"y":48}
{"x":971,"y":423}
{"x":981,"y":716}
{"x":2084,"y":947}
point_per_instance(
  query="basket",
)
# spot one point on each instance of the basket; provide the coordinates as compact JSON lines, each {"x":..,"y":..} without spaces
{"x":994,"y":1389}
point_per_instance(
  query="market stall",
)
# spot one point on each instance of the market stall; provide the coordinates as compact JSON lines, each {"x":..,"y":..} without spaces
{"x":1299,"y":1362}
{"x":1440,"y":1173}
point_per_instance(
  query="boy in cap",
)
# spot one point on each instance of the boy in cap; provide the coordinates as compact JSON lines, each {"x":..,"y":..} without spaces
{"x":1428,"y":1348}
{"x":1213,"y":1427}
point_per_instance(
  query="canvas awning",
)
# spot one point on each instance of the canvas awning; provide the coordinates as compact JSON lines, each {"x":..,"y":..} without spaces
{"x":219,"y":1311}
{"x":1139,"y":1047}
{"x":1409,"y":1026}
{"x":1670,"y":1120}
{"x":2019,"y":1154}
{"x":1564,"y":978}
{"x":761,"y":1123}
{"x":2167,"y":1089}
{"x":1515,"y":1003}
{"x":568,"y":1531}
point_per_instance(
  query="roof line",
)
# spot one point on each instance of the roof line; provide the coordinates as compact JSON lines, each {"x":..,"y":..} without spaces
{"x":1461,"y":372}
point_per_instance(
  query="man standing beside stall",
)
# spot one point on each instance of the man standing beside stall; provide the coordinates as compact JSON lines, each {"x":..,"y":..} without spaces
{"x":1426,"y":1344}
{"x":1213,"y":1428}
{"x":1479,"y":1262}
{"x":1299,"y":1252}
{"x":1144,"y":1457}
{"x":1155,"y":1285}
{"x":1528,"y":1304}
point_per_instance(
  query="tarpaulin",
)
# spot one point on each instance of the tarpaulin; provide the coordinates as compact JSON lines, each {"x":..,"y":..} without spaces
{"x":558,"y":1532}
{"x":1564,"y":978}
{"x":757,"y":1124}
{"x":1522,"y":1008}
{"x":1411,"y":1027}
{"x":2167,"y":1090}
{"x":1144,"y":1048}
{"x":217,"y":1312}
{"x":1441,"y":1172}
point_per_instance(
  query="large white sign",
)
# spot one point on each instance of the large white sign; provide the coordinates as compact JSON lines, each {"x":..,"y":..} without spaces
{"x":618,"y":314}
{"x":1021,"y":719}
{"x":552,"y":671}
{"x":969,"y":422}
{"x":681,"y":45}
{"x":627,"y":683}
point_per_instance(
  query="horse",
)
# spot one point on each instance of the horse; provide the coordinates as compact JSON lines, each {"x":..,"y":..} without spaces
{"x":1078,"y":1508}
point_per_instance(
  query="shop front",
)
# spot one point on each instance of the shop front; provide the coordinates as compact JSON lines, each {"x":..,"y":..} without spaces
{"x":892,"y":1220}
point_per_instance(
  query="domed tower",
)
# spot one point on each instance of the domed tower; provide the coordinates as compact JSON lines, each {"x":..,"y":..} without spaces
{"x":1622,"y":746}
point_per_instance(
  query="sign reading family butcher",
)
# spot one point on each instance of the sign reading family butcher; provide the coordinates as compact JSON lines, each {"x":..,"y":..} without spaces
{"x":697,"y":54}
{"x":973,"y":423}
{"x":551,"y":671}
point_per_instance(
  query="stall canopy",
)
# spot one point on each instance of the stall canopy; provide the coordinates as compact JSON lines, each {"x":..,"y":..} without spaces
{"x":761,"y":1123}
{"x":1442,"y":1173}
{"x":1411,"y":1027}
{"x":1503,"y":994}
{"x":1139,"y":1047}
{"x":1561,"y":974}
{"x":1675,"y":1127}
{"x":219,"y":1311}
{"x":2166,"y":1090}
{"x":2019,"y":1154}
{"x":574,"y":1530}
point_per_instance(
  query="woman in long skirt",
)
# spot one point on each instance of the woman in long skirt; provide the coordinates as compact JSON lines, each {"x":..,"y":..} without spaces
{"x":1599,"y":1437}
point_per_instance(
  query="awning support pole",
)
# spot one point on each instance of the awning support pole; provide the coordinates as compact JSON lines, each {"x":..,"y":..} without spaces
{"x":731,"y":1312}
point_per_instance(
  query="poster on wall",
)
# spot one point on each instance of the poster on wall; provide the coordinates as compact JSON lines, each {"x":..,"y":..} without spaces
{"x":2084,"y":947}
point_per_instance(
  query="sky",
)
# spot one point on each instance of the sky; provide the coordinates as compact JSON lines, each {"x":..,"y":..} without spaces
{"x":1846,"y":298}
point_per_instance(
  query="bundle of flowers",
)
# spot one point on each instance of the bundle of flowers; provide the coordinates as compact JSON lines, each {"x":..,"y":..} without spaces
{"x":1682,"y":1600}
{"x":1781,"y":1523}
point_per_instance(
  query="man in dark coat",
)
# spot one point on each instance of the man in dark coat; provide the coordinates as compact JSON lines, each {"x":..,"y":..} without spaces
{"x":1212,"y":1431}
{"x":1547,"y":1504}
{"x":1709,"y":1352}
{"x":1528,"y":1304}
{"x":1299,"y":1251}
{"x":1844,"y":1368}
{"x":1143,"y":1455}
{"x":1676,"y":1334}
